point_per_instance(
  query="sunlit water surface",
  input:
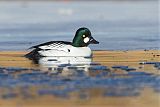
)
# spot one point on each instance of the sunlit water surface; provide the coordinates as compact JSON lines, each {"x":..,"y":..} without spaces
{"x":79,"y":80}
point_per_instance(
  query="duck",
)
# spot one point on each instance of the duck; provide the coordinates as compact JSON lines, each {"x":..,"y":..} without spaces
{"x":77,"y":48}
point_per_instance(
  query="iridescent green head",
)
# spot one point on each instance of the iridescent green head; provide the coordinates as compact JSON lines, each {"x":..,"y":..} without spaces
{"x":83,"y":38}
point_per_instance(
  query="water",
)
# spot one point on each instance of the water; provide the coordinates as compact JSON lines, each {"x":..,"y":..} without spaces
{"x":108,"y":79}
{"x":125,"y":25}
{"x":60,"y":80}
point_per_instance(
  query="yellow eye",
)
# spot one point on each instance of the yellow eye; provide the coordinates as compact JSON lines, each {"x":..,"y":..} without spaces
{"x":84,"y":36}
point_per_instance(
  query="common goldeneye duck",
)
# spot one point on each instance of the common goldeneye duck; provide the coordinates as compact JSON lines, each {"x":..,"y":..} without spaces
{"x":77,"y":48}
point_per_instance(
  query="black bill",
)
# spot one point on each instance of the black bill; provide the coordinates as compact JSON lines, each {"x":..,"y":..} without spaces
{"x":93,"y":41}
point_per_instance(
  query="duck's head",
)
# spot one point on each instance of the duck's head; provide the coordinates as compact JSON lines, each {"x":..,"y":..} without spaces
{"x":83,"y":38}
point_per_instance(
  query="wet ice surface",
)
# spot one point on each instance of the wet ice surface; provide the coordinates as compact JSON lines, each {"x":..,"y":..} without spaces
{"x":62,"y":80}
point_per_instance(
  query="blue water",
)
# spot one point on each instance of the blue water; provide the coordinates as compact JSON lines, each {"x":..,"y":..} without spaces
{"x":60,"y":83}
{"x":125,"y":25}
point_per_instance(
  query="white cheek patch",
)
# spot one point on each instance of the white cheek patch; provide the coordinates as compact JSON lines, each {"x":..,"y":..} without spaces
{"x":86,"y":40}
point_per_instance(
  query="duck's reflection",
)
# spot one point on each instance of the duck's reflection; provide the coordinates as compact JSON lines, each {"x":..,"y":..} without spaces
{"x":71,"y":66}
{"x":64,"y":61}
{"x":65,"y":65}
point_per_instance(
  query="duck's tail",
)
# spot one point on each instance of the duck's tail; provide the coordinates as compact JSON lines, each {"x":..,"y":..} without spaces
{"x":33,"y":55}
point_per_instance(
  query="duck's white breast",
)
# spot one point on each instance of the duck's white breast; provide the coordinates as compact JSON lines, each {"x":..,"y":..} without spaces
{"x":67,"y":50}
